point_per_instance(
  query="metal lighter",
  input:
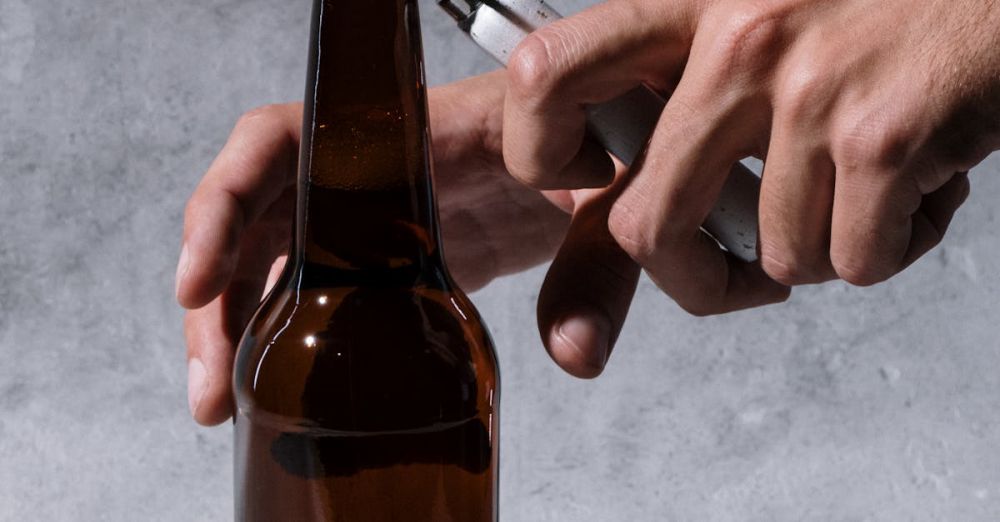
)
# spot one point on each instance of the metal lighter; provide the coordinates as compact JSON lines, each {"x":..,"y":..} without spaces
{"x":622,"y":125}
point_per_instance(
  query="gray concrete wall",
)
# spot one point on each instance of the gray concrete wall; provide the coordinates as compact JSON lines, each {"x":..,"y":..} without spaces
{"x":844,"y":404}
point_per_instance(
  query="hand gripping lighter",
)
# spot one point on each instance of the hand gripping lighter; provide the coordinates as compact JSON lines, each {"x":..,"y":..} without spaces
{"x":622,"y":125}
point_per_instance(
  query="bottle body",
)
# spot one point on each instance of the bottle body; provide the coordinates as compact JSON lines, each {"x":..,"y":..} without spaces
{"x":372,"y":403}
{"x":366,"y":386}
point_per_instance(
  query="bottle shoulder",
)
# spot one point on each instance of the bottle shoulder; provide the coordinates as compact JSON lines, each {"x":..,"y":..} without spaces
{"x":366,"y":358}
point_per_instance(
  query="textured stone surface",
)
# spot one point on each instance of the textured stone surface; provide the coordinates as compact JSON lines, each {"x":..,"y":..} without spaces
{"x":844,"y":404}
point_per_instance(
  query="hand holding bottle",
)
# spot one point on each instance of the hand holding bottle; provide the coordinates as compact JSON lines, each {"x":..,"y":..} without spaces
{"x":238,"y":221}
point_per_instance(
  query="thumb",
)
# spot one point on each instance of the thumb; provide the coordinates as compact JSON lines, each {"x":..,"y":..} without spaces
{"x":588,"y":289}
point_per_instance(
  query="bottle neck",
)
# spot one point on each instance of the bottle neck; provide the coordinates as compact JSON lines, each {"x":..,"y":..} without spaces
{"x":365,"y":194}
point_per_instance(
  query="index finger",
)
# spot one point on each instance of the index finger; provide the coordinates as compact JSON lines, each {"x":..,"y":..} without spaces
{"x":700,"y":137}
{"x":586,"y":59}
{"x":257,"y":163}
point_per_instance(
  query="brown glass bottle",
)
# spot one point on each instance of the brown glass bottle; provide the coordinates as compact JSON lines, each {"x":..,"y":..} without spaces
{"x":366,"y":385}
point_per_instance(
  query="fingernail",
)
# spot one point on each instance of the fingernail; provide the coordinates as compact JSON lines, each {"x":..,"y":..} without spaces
{"x":197,"y":383}
{"x":182,"y":268}
{"x":589,"y":335}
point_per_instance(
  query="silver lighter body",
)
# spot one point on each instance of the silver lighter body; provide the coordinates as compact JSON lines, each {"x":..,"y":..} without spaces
{"x":622,"y":125}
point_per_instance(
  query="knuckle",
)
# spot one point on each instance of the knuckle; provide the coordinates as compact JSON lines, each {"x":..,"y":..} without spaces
{"x":804,"y":91}
{"x":858,"y":270}
{"x":871,"y":142}
{"x":631,"y":234}
{"x":700,"y":308}
{"x":779,"y":266}
{"x":190,"y":209}
{"x":523,"y":169}
{"x":788,"y":267}
{"x":643,"y":227}
{"x":258,"y":116}
{"x":194,"y":210}
{"x":751,"y":34}
{"x":533,"y":69}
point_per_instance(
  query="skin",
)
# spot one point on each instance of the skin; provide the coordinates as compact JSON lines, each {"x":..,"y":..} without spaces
{"x":237,"y":224}
{"x":867,"y":114}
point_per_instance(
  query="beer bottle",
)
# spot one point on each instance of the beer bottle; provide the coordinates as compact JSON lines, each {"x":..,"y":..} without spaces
{"x":366,"y":385}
